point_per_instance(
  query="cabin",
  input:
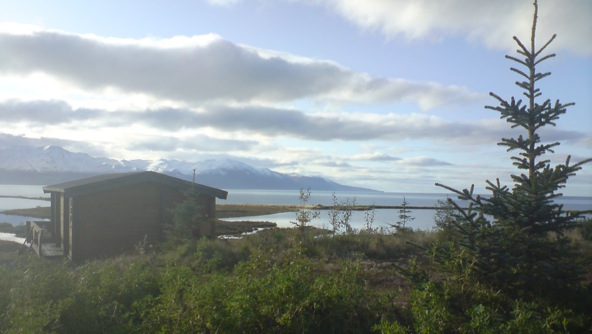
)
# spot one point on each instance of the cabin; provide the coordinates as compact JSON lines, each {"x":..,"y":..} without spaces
{"x":110,"y":214}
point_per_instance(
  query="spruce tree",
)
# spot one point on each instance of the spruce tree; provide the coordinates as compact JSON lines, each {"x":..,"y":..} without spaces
{"x":515,"y":237}
{"x":188,"y":219}
{"x":404,"y":215}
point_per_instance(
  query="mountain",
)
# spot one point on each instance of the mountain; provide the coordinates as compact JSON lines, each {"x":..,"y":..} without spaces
{"x":53,"y":164}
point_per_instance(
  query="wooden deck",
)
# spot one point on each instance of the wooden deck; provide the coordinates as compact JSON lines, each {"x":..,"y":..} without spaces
{"x":41,"y":240}
{"x":51,"y":250}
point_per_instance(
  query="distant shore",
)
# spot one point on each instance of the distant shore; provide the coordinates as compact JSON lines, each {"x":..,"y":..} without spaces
{"x":245,"y":210}
{"x":27,"y":197}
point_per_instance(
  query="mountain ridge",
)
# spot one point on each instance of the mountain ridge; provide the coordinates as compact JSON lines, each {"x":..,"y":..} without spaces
{"x":54,"y":164}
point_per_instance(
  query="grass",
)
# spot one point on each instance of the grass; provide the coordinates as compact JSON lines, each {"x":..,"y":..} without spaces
{"x":38,"y":212}
{"x":10,"y":252}
{"x":241,"y":227}
{"x":208,"y":276}
{"x":246,"y":210}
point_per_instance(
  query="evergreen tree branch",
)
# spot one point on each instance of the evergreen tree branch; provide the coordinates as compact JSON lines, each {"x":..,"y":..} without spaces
{"x":543,"y":48}
{"x":545,"y":58}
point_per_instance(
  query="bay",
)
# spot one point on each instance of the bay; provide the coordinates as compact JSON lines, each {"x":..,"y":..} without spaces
{"x":424,"y":218}
{"x":22,"y":190}
{"x":291,"y":197}
{"x":9,"y":203}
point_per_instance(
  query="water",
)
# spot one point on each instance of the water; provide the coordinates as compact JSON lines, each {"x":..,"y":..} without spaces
{"x":11,"y":237}
{"x":290,"y":197}
{"x":16,"y":220}
{"x":424,"y":219}
{"x":22,"y":190}
{"x":20,"y":203}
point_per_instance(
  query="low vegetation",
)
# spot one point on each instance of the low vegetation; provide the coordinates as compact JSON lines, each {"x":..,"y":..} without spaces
{"x":274,"y":281}
{"x":246,"y":210}
{"x":43,"y":212}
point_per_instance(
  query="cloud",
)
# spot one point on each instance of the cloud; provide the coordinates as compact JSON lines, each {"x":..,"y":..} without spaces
{"x":334,"y":163}
{"x":492,"y":23}
{"x":44,"y":112}
{"x":223,"y":2}
{"x":274,"y":123}
{"x":426,"y":95}
{"x":197,"y":143}
{"x":7,"y":140}
{"x":373,"y":157}
{"x":207,"y":68}
{"x":423,"y":162}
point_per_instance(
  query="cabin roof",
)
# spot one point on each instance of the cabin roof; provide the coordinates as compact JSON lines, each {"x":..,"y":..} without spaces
{"x":116,"y":180}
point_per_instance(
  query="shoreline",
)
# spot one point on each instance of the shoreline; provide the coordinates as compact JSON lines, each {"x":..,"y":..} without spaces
{"x":26,"y":197}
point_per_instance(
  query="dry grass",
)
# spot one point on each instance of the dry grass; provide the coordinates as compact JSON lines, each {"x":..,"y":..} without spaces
{"x":241,"y":227}
{"x":246,"y":210}
{"x":38,"y":212}
{"x":10,"y":251}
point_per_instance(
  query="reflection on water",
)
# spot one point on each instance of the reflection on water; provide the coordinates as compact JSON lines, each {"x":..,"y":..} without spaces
{"x":11,"y":237}
{"x":16,"y":220}
{"x":424,"y":219}
{"x":22,"y":190}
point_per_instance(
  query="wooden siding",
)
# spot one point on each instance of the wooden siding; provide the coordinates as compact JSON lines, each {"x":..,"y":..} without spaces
{"x":113,"y":220}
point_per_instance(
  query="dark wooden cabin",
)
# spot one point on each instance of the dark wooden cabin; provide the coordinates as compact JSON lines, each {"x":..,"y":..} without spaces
{"x":110,"y":214}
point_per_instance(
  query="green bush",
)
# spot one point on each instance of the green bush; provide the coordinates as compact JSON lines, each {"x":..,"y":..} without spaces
{"x":207,"y":255}
{"x":456,"y":303}
{"x":33,"y":295}
{"x":270,"y":293}
{"x":585,"y":229}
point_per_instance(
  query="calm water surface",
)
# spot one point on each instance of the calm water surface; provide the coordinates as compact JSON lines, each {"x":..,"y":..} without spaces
{"x":424,"y":219}
{"x":20,"y":203}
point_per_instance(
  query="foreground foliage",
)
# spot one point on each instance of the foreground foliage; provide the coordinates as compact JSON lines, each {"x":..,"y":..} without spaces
{"x":200,"y":286}
{"x":273,"y":282}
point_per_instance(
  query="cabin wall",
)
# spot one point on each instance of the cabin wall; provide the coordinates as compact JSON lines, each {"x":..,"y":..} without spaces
{"x":60,"y":221}
{"x":64,"y":222}
{"x":170,"y":198}
{"x":112,"y":222}
{"x":173,"y":196}
{"x":115,"y":221}
{"x":55,"y":218}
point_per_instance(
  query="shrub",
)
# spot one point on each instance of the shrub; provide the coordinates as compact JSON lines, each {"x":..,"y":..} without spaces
{"x":270,"y":293}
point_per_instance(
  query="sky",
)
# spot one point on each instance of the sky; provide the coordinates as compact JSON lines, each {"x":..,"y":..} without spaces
{"x":382,"y":94}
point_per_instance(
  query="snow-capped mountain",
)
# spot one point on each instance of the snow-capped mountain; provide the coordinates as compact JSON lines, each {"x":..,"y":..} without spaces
{"x":53,"y":164}
{"x":55,"y":159}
